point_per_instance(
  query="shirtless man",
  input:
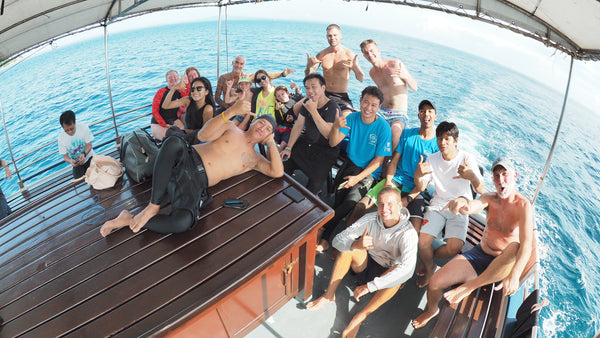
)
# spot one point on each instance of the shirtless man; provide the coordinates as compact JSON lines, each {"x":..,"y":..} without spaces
{"x":337,"y":61}
{"x":392,"y":77}
{"x":227,"y":152}
{"x":503,"y":253}
{"x":237,"y":71}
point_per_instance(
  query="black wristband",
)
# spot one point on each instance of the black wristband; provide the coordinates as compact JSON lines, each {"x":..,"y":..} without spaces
{"x":409,"y":199}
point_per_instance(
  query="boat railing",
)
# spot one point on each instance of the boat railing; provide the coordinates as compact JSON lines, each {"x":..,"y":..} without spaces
{"x":33,"y":157}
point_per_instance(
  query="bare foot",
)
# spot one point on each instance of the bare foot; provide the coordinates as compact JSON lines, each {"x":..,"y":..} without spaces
{"x":352,"y":329}
{"x":456,"y":295}
{"x":322,"y":246}
{"x":424,"y":318}
{"x":423,"y":281}
{"x":350,"y":332}
{"x":420,"y":269}
{"x":318,"y":303}
{"x":120,"y":221}
{"x":143,"y":217}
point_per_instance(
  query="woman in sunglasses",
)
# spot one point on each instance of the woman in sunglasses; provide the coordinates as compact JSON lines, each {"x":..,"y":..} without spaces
{"x":199,"y":105}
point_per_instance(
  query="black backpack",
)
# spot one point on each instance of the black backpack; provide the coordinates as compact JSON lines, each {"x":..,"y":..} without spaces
{"x":138,"y":153}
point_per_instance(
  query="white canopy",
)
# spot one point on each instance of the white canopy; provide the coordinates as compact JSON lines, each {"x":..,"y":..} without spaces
{"x":572,"y":26}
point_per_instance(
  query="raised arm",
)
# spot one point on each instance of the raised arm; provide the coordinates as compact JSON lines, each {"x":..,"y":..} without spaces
{"x":283,"y":73}
{"x":272,"y":167}
{"x":184,"y":101}
{"x":323,"y":126}
{"x":336,"y":135}
{"x":465,"y":206}
{"x":216,"y":126}
{"x":312,"y":64}
{"x":220,"y":91}
{"x":358,"y":72}
{"x":406,"y":77}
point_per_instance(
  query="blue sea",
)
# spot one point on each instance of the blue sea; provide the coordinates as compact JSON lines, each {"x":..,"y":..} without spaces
{"x":499,"y":113}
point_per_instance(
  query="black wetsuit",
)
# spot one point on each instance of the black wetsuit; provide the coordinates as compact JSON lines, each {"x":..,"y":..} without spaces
{"x":179,"y":170}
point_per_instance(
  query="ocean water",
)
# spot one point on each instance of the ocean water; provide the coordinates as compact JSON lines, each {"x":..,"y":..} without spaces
{"x":499,"y":113}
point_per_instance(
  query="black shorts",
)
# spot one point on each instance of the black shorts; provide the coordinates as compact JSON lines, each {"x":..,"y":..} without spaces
{"x":372,"y":270}
{"x":342,"y":100}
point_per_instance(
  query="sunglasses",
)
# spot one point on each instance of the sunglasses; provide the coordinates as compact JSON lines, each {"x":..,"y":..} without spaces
{"x":199,"y":88}
{"x":262,"y":78}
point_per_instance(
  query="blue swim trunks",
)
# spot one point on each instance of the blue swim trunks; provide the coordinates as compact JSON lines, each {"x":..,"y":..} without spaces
{"x":393,"y":115}
{"x":478,"y":258}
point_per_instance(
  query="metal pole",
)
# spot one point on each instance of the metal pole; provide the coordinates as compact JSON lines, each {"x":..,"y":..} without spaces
{"x":112,"y":108}
{"x":219,"y":42}
{"x":21,"y":184}
{"x":562,"y":114}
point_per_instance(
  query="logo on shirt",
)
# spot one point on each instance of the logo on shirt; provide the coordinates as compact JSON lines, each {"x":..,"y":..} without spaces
{"x":373,"y":139}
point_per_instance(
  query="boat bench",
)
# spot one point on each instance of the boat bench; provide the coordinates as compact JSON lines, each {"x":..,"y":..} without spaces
{"x":225,"y":276}
{"x":482,"y":313}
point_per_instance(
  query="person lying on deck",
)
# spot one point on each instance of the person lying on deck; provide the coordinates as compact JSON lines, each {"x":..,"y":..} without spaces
{"x":504,"y":250}
{"x":382,"y":248}
{"x":187,"y":171}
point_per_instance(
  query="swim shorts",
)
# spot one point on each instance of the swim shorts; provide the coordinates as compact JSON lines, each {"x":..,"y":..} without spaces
{"x":393,"y":115}
{"x":478,"y":258}
{"x":342,"y":100}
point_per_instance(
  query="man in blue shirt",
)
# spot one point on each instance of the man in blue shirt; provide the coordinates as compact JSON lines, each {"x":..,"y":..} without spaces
{"x":369,"y":141}
{"x":415,"y":145}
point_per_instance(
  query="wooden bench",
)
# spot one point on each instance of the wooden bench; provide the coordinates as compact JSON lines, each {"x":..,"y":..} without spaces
{"x":482,"y":313}
{"x":234,"y":268}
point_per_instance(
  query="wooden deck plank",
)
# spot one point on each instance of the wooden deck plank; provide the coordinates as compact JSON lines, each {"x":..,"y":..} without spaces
{"x":111,"y":201}
{"x":173,"y":271}
{"x":69,"y":240}
{"x":462,"y":317}
{"x":200,"y":298}
{"x":482,"y":310}
{"x":88,"y":273}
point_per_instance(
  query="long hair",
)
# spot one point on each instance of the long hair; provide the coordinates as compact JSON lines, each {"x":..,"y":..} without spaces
{"x":209,"y":99}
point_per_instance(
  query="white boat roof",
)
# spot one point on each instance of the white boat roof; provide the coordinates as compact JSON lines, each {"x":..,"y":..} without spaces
{"x":571,"y":26}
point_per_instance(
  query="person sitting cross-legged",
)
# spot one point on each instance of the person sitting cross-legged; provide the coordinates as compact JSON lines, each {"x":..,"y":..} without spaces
{"x":382,"y":248}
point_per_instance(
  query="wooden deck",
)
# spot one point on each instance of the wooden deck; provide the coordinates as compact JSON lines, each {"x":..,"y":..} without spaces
{"x":61,"y":278}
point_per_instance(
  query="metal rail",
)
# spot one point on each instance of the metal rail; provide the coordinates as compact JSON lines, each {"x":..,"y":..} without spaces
{"x":562,"y":114}
{"x":36,"y":158}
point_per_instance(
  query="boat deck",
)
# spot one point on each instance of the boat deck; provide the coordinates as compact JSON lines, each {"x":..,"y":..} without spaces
{"x":61,"y":278}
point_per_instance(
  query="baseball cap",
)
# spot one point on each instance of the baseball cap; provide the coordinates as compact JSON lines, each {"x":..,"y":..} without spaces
{"x":269,"y":118}
{"x":503,"y":162}
{"x":426,"y":102}
{"x":245,"y":78}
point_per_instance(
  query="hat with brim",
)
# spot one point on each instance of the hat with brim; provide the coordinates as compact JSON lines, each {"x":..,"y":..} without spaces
{"x":504,"y":163}
{"x":245,"y":78}
{"x":426,"y":102}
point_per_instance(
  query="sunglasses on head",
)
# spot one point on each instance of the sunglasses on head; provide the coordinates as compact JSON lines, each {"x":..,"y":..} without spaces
{"x":199,"y":88}
{"x":260,"y":78}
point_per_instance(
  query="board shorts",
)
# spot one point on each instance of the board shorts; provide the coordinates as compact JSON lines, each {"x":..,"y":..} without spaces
{"x":393,"y":115}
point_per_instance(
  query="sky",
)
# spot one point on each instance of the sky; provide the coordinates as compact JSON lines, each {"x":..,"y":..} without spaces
{"x":502,"y":46}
